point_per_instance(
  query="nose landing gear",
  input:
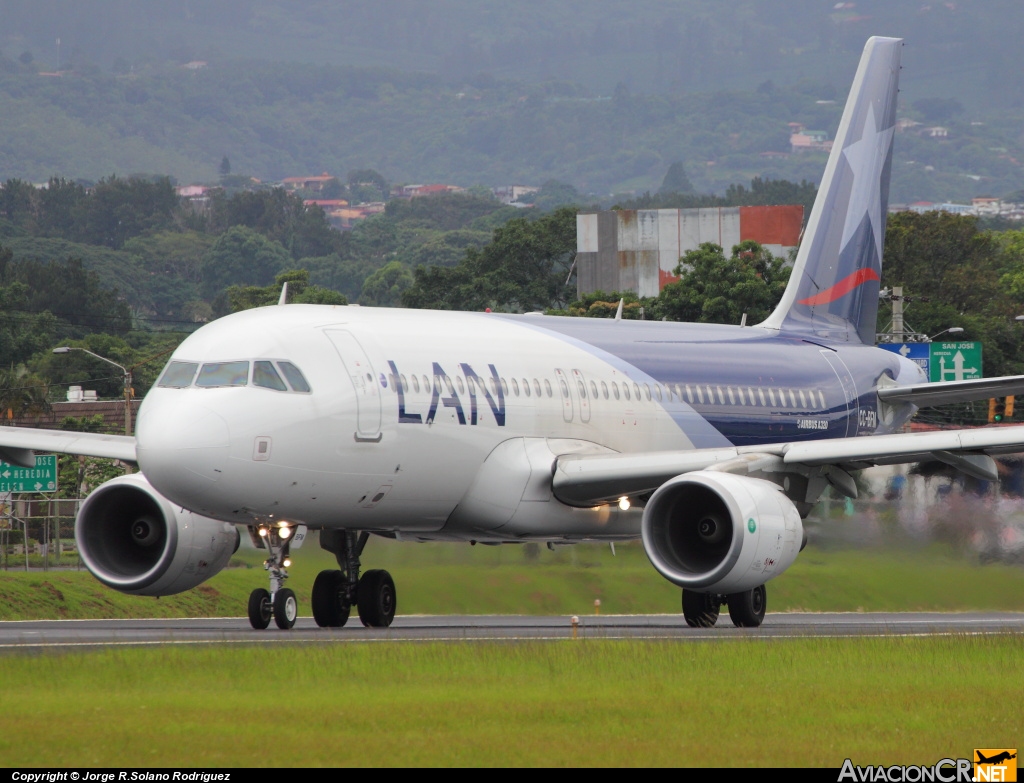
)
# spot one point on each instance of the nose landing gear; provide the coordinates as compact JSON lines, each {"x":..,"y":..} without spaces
{"x":279,"y":602}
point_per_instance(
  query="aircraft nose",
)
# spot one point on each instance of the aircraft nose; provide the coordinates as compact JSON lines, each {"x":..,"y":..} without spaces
{"x":182,"y":449}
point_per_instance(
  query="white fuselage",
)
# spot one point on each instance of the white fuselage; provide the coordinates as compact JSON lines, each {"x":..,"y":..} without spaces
{"x":340,"y":456}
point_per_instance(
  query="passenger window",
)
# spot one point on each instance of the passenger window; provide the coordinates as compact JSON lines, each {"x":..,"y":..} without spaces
{"x":803,"y":399}
{"x":771,"y":396}
{"x":732,"y":398}
{"x":536,"y":387}
{"x":593,"y":390}
{"x":294,"y":377}
{"x":437,"y":383}
{"x":405,"y":383}
{"x":415,"y":384}
{"x":565,"y":387}
{"x":721,"y":396}
{"x":178,"y":375}
{"x":265,"y":376}
{"x":615,"y":390}
{"x":689,"y":394}
{"x":526,"y":387}
{"x":547,"y":386}
{"x":760,"y":394}
{"x":792,"y":398}
{"x":494,"y":386}
{"x":739,"y":393}
{"x":700,"y":395}
{"x":750,"y":395}
{"x":636,"y":391}
{"x":504,"y":386}
{"x":582,"y":389}
{"x":426,"y":384}
{"x":458,"y":382}
{"x":625,"y":390}
{"x":448,"y":383}
{"x":604,"y":390}
{"x":657,"y":391}
{"x":821,"y":396}
{"x":647,"y":392}
{"x":515,"y":387}
{"x":214,"y":374}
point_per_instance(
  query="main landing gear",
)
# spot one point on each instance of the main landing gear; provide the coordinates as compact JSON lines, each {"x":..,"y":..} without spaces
{"x":335,"y":592}
{"x":746,"y":609}
{"x":279,"y":602}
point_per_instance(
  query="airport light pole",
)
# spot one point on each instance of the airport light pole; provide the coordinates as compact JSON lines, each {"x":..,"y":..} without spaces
{"x":951,"y":330}
{"x":126,"y":374}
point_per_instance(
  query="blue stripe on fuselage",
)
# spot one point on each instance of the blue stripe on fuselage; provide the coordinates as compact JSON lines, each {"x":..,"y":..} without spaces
{"x":716,"y":355}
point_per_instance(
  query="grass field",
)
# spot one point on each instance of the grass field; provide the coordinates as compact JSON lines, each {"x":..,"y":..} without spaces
{"x":748,"y":702}
{"x":457,"y":579}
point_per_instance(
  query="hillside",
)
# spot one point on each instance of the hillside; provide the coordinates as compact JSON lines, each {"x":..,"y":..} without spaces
{"x":277,"y":119}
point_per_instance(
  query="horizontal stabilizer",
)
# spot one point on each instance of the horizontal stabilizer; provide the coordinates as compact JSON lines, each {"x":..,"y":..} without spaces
{"x":925,"y":395}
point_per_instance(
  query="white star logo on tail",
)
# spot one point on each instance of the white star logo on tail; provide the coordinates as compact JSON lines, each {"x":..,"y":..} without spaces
{"x":866,"y":158}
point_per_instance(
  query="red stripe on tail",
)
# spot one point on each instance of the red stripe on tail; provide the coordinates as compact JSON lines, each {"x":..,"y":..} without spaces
{"x":842,"y":288}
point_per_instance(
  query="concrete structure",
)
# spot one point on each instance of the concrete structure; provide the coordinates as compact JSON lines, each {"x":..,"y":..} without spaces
{"x":637,"y":250}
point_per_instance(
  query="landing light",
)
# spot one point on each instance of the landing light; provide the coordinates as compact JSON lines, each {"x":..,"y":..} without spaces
{"x":287,"y":562}
{"x":284,"y":531}
{"x":263,"y":532}
{"x":624,"y":503}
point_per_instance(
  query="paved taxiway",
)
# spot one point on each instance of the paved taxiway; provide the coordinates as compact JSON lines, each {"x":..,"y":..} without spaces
{"x":93,"y":633}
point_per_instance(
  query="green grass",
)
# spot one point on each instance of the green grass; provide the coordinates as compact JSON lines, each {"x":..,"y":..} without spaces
{"x":451,"y":578}
{"x":747,"y":702}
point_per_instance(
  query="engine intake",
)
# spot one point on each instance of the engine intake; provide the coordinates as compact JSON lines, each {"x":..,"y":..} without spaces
{"x":132,"y":539}
{"x":716,"y":532}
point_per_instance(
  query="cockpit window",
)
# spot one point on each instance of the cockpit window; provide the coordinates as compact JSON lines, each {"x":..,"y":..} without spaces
{"x":223,"y":374}
{"x":264,"y":374}
{"x":291,"y":372}
{"x":178,"y":375}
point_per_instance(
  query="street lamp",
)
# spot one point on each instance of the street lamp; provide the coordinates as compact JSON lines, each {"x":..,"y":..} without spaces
{"x":125,"y":372}
{"x":951,"y":330}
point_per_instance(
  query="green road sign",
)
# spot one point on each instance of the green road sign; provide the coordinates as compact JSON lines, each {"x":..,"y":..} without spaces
{"x":41,"y":478}
{"x":954,"y":361}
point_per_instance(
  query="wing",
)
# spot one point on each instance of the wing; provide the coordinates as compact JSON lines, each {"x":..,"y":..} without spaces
{"x":586,"y":480}
{"x":924,"y":395}
{"x":19,"y":444}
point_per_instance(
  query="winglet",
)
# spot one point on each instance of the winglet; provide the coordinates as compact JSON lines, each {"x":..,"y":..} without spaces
{"x":284,"y":295}
{"x":833,"y":290}
{"x":618,"y":311}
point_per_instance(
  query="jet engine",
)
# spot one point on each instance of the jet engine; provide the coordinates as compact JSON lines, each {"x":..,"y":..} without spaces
{"x":720,"y":533}
{"x":133,"y":539}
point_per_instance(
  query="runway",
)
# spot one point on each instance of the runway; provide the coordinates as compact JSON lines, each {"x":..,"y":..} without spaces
{"x":27,"y":635}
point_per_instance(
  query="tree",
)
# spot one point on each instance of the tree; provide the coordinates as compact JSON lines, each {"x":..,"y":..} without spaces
{"x":946,"y":258}
{"x":241,"y":256}
{"x":716,"y":289}
{"x":384,"y":287}
{"x":524,"y":268}
{"x":225,"y":166}
{"x":675,"y":180}
{"x":299,"y":292}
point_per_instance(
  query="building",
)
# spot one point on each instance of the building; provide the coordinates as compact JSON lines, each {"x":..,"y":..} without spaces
{"x":307,"y":183}
{"x":415,"y":191}
{"x":637,"y":250}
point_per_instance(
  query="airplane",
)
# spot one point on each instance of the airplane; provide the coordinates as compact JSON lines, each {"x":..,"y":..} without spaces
{"x":709,"y":443}
{"x":996,"y":759}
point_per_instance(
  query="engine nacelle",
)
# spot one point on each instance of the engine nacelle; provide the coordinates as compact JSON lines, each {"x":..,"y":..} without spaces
{"x":720,"y":533}
{"x":133,"y":539}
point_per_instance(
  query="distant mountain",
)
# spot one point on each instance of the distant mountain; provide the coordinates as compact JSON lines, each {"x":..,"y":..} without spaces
{"x":968,"y":49}
{"x":604,"y":95}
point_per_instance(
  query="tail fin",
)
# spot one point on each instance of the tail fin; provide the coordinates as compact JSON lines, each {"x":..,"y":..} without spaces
{"x":833,"y":290}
